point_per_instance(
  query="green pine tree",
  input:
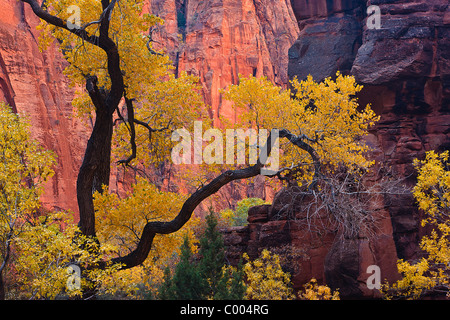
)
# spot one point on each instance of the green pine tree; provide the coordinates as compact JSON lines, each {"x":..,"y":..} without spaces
{"x":231,"y":285}
{"x":212,"y":254}
{"x":187,"y":282}
{"x":205,"y":278}
{"x":166,"y":291}
{"x":222,"y":285}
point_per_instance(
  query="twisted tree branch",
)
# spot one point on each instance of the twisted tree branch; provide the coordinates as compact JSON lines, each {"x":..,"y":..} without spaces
{"x":151,"y":229}
{"x":58,"y":22}
{"x":137,"y":256}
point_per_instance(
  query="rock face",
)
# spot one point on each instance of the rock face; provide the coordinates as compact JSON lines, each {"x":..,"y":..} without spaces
{"x":33,"y":84}
{"x":302,"y":252}
{"x":219,"y":39}
{"x":310,"y":248}
{"x":404,"y":67}
{"x":329,"y":38}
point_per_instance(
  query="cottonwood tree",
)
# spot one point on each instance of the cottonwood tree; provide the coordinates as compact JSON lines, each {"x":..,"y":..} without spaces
{"x":137,"y":103}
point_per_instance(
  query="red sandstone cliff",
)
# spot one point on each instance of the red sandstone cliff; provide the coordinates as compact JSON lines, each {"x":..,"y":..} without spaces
{"x":32,"y":82}
{"x":219,"y":39}
{"x":405,"y":68}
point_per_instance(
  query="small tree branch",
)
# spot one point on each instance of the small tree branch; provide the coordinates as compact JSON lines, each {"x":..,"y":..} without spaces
{"x":130,"y":115}
{"x":58,"y":22}
{"x":150,"y":129}
{"x":299,"y":142}
{"x":105,"y":18}
{"x":150,"y":40}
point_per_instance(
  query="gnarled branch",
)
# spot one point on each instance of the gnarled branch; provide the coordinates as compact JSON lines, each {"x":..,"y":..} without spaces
{"x":150,"y":40}
{"x":132,"y":129}
{"x":137,"y":256}
{"x":151,"y":229}
{"x":299,"y":142}
{"x":58,"y":22}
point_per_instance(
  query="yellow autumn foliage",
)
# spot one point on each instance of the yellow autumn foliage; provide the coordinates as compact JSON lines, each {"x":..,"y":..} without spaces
{"x":314,"y":291}
{"x":41,"y":245}
{"x":119,"y":222}
{"x":432,"y":272}
{"x":327,"y":113}
{"x":46,"y":248}
{"x":24,"y":167}
{"x":266,"y":280}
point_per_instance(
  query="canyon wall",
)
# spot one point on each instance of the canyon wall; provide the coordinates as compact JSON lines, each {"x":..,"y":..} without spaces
{"x":33,"y":84}
{"x":217,"y":40}
{"x":404,"y":67}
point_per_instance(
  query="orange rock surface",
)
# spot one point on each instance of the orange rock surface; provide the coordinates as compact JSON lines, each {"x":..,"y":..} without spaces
{"x":32,"y":82}
{"x":219,"y":39}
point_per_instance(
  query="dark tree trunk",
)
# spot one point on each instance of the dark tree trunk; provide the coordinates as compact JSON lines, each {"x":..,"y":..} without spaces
{"x":3,"y":265}
{"x":95,"y":169}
